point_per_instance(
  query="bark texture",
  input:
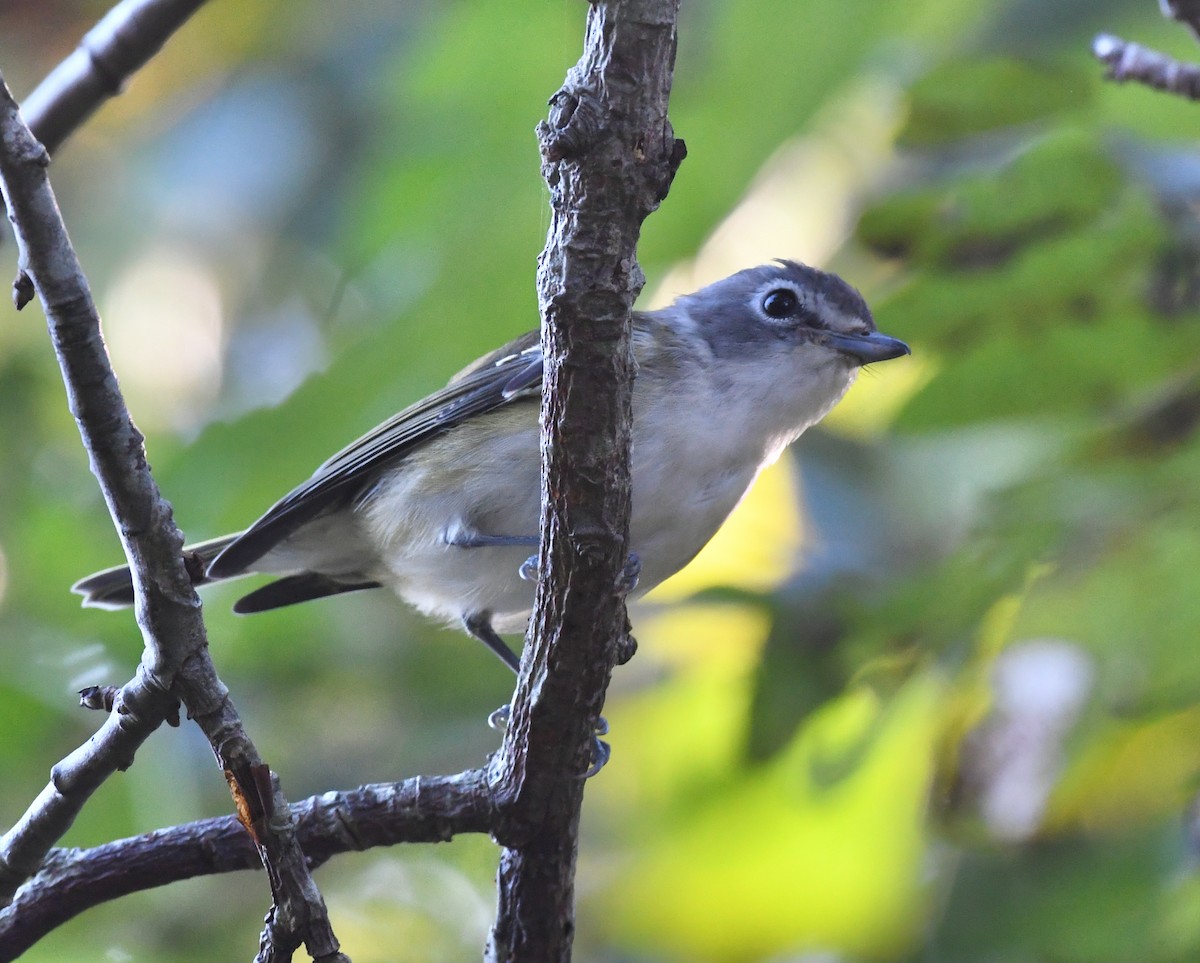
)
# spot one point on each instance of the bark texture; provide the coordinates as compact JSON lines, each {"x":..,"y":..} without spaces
{"x":609,"y":155}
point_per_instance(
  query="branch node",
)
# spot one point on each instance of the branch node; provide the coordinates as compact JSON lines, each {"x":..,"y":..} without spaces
{"x":99,"y":697}
{"x":576,"y":119}
{"x":22,"y":290}
{"x":674,"y":160}
{"x":112,"y":81}
{"x":626,"y":648}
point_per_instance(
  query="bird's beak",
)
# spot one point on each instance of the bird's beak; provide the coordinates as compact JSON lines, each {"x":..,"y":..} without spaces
{"x":867,"y":348}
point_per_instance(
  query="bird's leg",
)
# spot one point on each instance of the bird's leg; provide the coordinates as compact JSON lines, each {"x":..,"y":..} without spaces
{"x":461,"y":537}
{"x":469,"y":538}
{"x":479,"y":624}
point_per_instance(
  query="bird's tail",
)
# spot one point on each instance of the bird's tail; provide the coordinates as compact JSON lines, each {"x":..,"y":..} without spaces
{"x":113,"y":588}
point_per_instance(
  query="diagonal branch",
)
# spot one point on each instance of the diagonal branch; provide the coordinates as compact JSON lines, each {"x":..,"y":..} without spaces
{"x":608,"y":157}
{"x":175,"y":663}
{"x":418,"y":810}
{"x":109,"y":54}
{"x":1130,"y":61}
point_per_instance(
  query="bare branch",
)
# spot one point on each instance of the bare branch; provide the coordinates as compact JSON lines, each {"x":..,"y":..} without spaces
{"x":1131,"y":61}
{"x":419,"y":810}
{"x":109,"y":54}
{"x":609,"y":155}
{"x":176,"y":658}
{"x":49,"y":262}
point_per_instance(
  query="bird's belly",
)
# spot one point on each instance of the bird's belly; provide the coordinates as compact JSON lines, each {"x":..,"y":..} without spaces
{"x":416,"y":518}
{"x":450,"y":582}
{"x":667,"y":532}
{"x":681,"y":496}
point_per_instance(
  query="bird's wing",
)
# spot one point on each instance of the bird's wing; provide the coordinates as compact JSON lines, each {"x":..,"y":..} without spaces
{"x":500,"y":378}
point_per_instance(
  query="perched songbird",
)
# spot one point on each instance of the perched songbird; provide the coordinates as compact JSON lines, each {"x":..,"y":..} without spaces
{"x":440,"y":503}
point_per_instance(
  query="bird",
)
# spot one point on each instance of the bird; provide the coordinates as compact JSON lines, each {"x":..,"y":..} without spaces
{"x":440,"y":503}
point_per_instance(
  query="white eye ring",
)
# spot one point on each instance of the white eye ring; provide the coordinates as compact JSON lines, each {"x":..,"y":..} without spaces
{"x":782,"y":302}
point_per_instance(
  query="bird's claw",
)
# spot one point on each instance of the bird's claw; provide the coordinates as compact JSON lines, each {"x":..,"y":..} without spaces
{"x":627,"y":580}
{"x":626,"y":648}
{"x":601,"y":751}
{"x":498,"y":719}
{"x":631,"y":571}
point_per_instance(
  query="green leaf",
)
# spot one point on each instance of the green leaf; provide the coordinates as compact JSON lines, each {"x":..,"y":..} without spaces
{"x":961,"y":98}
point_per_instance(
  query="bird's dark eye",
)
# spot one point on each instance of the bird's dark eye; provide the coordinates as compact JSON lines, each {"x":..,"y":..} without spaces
{"x":780,"y":303}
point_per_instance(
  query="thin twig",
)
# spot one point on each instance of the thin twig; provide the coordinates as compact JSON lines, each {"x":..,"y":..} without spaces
{"x":175,"y":663}
{"x":109,"y":54}
{"x":1130,"y":61}
{"x":608,"y":157}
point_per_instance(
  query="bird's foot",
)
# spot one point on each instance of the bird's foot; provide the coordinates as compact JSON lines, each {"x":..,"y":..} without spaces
{"x":601,"y":750}
{"x":626,"y":648}
{"x":627,"y":580}
{"x":630,"y":573}
{"x":498,"y":718}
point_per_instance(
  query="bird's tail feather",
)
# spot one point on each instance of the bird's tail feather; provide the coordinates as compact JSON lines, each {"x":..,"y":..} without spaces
{"x":113,"y":588}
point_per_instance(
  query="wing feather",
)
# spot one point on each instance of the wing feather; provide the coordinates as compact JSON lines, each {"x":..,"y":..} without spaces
{"x":496,"y":380}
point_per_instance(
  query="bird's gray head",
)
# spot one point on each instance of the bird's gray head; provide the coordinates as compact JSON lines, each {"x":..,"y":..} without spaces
{"x":789,"y":303}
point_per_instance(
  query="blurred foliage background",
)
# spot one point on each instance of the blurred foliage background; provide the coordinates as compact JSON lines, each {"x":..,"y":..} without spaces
{"x":933,"y":695}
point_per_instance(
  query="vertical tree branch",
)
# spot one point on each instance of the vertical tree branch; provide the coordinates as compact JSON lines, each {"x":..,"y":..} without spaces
{"x":608,"y":157}
{"x":176,"y":663}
